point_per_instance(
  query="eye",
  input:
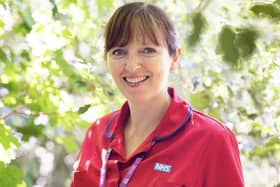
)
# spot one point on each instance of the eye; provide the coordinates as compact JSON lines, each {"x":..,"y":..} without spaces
{"x":119,"y":52}
{"x":149,"y":51}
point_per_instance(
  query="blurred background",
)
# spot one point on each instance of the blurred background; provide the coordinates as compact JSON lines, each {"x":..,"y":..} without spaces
{"x":54,"y":82}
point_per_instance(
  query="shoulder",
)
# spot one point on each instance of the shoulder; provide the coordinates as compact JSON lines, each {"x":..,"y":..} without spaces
{"x":210,"y":127}
{"x":213,"y":134}
{"x":101,"y":122}
{"x":97,"y":129}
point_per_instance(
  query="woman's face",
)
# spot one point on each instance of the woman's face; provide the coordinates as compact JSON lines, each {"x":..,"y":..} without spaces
{"x":141,"y":68}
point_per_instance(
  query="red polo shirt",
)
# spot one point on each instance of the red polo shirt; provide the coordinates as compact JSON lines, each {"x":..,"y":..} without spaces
{"x":201,"y":153}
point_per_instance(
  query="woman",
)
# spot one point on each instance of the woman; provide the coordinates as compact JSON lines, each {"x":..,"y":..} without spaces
{"x":155,"y":139}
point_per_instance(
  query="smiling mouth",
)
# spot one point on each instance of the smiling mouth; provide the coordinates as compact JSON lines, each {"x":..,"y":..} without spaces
{"x":135,"y":80}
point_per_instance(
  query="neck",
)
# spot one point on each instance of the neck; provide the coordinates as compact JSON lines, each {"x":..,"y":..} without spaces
{"x":143,"y":119}
{"x":146,"y":116}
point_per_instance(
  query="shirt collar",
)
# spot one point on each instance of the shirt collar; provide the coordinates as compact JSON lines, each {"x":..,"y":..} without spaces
{"x":173,"y":118}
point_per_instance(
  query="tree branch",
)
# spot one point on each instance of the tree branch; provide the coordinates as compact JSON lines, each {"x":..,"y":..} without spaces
{"x":11,"y":112}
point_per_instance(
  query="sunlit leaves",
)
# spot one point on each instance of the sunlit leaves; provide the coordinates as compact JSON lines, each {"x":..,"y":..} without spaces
{"x":270,"y":146}
{"x":6,"y":139}
{"x":25,"y":14}
{"x":66,"y":3}
{"x":256,"y":130}
{"x":277,"y":3}
{"x":226,"y":45}
{"x":199,"y":23}
{"x":1,"y":24}
{"x":51,"y":59}
{"x":235,"y":44}
{"x":11,"y":176}
{"x":246,"y":41}
{"x":104,"y":4}
{"x":200,"y":99}
{"x":269,"y":10}
{"x":68,"y":142}
{"x":29,"y":130}
{"x":8,"y":144}
{"x":83,"y":109}
{"x":54,"y":9}
{"x":3,"y":56}
{"x":203,"y":100}
{"x":2,"y":2}
{"x":46,"y":39}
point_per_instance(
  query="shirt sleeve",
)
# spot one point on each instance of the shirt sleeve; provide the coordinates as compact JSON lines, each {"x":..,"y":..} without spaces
{"x":87,"y":152}
{"x":223,"y":166}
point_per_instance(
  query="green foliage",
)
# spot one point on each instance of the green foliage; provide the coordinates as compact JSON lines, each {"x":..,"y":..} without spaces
{"x":226,"y":45}
{"x":52,"y":74}
{"x":235,"y":44}
{"x":8,"y":144}
{"x":3,"y":56}
{"x":270,"y":147}
{"x":30,"y":130}
{"x":2,"y":2}
{"x":11,"y":176}
{"x":103,"y":4}
{"x":246,"y":41}
{"x":256,"y":130}
{"x":6,"y":139}
{"x":277,"y":3}
{"x":25,"y":14}
{"x":200,"y":99}
{"x":269,"y":10}
{"x":69,"y":143}
{"x":66,"y":3}
{"x":198,"y":27}
{"x":83,"y":109}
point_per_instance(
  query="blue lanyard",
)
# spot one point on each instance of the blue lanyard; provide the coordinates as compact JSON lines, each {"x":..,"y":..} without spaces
{"x":105,"y":155}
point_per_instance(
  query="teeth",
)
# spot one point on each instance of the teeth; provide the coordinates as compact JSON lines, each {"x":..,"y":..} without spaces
{"x":135,"y":80}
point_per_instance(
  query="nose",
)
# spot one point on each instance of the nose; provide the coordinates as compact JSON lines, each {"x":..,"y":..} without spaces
{"x":133,"y":62}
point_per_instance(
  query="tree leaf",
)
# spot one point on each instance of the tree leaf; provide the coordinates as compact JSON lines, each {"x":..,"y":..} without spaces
{"x":25,"y":14}
{"x":30,"y":130}
{"x":200,"y":99}
{"x":84,"y":108}
{"x":3,"y":56}
{"x":11,"y":176}
{"x":8,"y":143}
{"x":67,"y":3}
{"x":266,"y":10}
{"x":226,"y":45}
{"x":68,"y":142}
{"x":199,"y":23}
{"x":256,"y":129}
{"x":54,"y":9}
{"x":2,"y":2}
{"x":103,"y":4}
{"x":246,"y":41}
{"x":277,"y":3}
{"x":6,"y":138}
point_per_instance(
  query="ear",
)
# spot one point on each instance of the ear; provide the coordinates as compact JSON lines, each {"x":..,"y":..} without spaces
{"x":175,"y":59}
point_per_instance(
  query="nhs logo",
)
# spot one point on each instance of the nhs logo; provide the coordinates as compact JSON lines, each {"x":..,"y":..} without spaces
{"x":162,"y":167}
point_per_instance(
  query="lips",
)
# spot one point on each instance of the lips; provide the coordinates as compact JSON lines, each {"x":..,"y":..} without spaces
{"x":135,"y":80}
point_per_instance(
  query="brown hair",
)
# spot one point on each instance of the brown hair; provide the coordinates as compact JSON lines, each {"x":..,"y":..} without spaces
{"x":139,"y":17}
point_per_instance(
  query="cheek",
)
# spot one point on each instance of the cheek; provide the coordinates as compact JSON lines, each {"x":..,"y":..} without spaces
{"x":164,"y":67}
{"x":115,"y":71}
{"x":114,"y":68}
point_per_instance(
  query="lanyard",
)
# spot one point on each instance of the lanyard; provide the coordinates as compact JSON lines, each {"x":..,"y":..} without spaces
{"x":127,"y":177}
{"x":105,"y":157}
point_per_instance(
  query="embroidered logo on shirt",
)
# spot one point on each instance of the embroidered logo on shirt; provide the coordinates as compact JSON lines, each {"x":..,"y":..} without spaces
{"x":162,"y":167}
